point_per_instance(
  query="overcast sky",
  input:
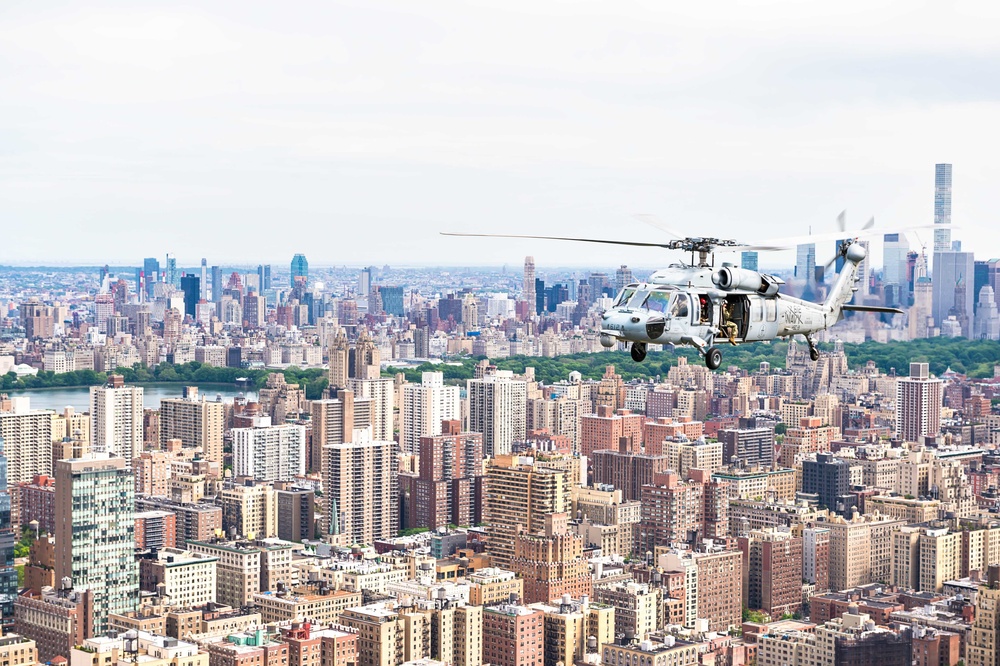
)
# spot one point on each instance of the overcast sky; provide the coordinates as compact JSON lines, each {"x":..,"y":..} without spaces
{"x":356,"y":131}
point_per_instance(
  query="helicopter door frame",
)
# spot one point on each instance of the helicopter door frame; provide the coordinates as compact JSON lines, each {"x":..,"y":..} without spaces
{"x":741,"y":307}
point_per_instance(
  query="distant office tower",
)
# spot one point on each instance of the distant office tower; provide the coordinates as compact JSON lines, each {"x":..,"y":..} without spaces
{"x":392,"y":300}
{"x":203,"y":285}
{"x":597,"y":282}
{"x":28,"y":435}
{"x":364,"y":282}
{"x":216,"y":284}
{"x":748,"y":260}
{"x":198,"y":423}
{"x":623,"y":277}
{"x":805,"y":261}
{"x":539,"y":296}
{"x":192,"y":291}
{"x":339,"y":351}
{"x":987,"y":325}
{"x":300,"y":269}
{"x":264,"y":277}
{"x":95,"y":533}
{"x":942,"y":210}
{"x":170,"y":275}
{"x":952,"y":271}
{"x":380,"y":391}
{"x":425,"y":406}
{"x":528,"y":288}
{"x":497,"y":404}
{"x":116,"y":419}
{"x":151,"y":272}
{"x":918,"y":404}
{"x":268,"y":452}
{"x":894,"y":280}
{"x":361,"y":489}
{"x":8,"y":575}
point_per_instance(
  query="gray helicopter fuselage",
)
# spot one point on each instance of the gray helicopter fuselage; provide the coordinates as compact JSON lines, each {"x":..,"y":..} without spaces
{"x":683,"y":305}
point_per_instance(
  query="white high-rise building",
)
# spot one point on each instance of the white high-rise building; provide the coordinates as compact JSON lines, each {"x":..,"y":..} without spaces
{"x":26,"y":434}
{"x":918,"y":404}
{"x":116,"y":419}
{"x":894,"y":251}
{"x":269,"y":452}
{"x":380,"y":391}
{"x":425,"y":406}
{"x":528,"y":288}
{"x":498,"y":410}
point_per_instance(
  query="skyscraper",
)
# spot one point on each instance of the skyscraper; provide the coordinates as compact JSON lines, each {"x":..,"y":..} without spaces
{"x":8,"y":575}
{"x":269,"y":452}
{"x":299,"y":269}
{"x":497,"y":409}
{"x":264,"y":277}
{"x":942,"y":210}
{"x":199,"y":424}
{"x":748,"y":260}
{"x":918,"y":404}
{"x":151,"y":271}
{"x":380,"y":391}
{"x":425,"y":406}
{"x":894,"y":253}
{"x":364,"y":282}
{"x":171,"y":271}
{"x":361,"y":489}
{"x":951,"y":270}
{"x":216,"y":284}
{"x":805,"y":262}
{"x":338,"y":349}
{"x":95,"y":533}
{"x":528,"y":288}
{"x":203,"y":291}
{"x":192,"y":291}
{"x":116,"y":419}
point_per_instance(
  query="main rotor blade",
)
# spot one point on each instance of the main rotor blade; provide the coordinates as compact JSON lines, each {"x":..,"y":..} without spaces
{"x":842,"y":221}
{"x":559,"y":238}
{"x":654,"y":221}
{"x":869,"y":224}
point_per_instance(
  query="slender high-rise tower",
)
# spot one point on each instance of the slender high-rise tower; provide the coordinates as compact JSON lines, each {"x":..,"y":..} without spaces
{"x":528,"y":292}
{"x":203,"y":287}
{"x":942,"y":207}
{"x":918,"y":404}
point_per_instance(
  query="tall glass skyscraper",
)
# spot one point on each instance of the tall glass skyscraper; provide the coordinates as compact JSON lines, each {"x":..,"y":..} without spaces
{"x":894,"y":282}
{"x":942,"y":207}
{"x":805,"y":261}
{"x":300,"y":269}
{"x":8,"y":575}
{"x":748,"y":260}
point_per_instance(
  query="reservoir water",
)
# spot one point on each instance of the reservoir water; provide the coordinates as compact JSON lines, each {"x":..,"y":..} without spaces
{"x":79,"y":398}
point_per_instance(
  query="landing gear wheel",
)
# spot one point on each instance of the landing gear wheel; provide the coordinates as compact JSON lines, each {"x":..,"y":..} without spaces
{"x":638,"y":351}
{"x":713,"y":358}
{"x":813,"y":353}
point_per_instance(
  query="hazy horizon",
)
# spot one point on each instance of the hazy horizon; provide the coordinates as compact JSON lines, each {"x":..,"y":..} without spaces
{"x":356,"y":131}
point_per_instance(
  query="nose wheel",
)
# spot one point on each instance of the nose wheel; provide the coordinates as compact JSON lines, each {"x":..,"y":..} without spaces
{"x":638,"y":351}
{"x":713,"y":358}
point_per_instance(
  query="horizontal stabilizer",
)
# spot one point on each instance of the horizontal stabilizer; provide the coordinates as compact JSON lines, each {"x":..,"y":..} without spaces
{"x":872,"y":308}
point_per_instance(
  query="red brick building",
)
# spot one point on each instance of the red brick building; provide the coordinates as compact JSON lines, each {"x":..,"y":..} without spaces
{"x":551,"y":564}
{"x":512,"y":636}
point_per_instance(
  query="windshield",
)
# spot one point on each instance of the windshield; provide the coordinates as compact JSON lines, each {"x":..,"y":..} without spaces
{"x":657,"y":301}
{"x":680,"y":307}
{"x":624,"y":296}
{"x":637,"y":298}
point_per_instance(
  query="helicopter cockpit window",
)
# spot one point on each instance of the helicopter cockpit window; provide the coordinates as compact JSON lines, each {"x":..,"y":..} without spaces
{"x":638,"y":298}
{"x":679,"y":309}
{"x":624,"y":297}
{"x":657,"y":301}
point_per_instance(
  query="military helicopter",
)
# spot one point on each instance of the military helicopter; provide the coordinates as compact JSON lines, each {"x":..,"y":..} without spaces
{"x":697,"y":304}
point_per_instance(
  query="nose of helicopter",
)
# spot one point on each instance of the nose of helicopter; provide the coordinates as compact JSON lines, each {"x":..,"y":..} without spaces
{"x":634,"y":325}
